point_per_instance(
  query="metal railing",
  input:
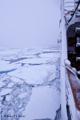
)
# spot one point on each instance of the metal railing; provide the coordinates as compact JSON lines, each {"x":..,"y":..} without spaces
{"x":69,"y":6}
{"x":71,"y":9}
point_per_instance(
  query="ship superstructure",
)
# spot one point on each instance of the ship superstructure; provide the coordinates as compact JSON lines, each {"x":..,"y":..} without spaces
{"x":70,"y":59}
{"x":72,"y":18}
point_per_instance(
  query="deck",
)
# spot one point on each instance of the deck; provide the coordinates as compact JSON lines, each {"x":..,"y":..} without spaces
{"x":75,"y":86}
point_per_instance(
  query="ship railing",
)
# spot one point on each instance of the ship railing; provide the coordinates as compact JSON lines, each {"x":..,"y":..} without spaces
{"x":71,"y":10}
{"x":69,"y":6}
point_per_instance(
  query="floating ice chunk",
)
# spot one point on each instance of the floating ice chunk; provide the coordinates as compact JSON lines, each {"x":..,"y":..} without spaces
{"x":6,"y":67}
{"x":35,"y":61}
{"x":16,"y":80}
{"x":8,"y":97}
{"x":34,"y":50}
{"x":50,"y":55}
{"x":1,"y":84}
{"x":22,"y":95}
{"x":1,"y":98}
{"x":35,"y":74}
{"x":5,"y":91}
{"x":16,"y":91}
{"x":10,"y":85}
{"x":43,"y":104}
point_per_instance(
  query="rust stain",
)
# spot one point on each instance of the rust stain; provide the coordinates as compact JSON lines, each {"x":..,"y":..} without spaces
{"x":75,"y":86}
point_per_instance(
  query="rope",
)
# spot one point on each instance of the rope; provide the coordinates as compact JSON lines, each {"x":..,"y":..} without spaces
{"x":74,"y":11}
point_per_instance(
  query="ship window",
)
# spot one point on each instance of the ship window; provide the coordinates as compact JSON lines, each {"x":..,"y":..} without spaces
{"x":71,"y":48}
{"x":71,"y":41}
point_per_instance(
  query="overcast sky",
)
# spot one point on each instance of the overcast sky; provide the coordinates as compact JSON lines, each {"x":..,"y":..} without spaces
{"x":29,"y":23}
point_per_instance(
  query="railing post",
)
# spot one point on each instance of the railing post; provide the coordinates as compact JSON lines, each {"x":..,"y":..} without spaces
{"x":63,"y":56}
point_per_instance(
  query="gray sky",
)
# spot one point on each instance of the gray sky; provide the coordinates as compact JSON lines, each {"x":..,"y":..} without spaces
{"x":29,"y":23}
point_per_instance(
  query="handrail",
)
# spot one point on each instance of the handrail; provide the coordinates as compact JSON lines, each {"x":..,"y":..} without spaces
{"x":75,"y":86}
{"x":69,"y":5}
{"x":68,"y":2}
{"x":71,"y":8}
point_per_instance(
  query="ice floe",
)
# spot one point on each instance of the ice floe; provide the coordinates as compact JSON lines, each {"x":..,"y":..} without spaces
{"x":29,"y":84}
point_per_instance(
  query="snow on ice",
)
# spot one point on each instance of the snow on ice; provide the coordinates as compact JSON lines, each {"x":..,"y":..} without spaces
{"x":29,"y":84}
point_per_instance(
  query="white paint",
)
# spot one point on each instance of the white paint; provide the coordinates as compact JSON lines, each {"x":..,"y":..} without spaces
{"x":67,"y":62}
{"x":63,"y":77}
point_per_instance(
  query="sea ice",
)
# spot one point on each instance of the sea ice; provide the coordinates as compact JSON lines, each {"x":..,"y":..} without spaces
{"x":43,"y":104}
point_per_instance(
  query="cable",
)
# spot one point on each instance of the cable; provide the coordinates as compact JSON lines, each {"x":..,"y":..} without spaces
{"x":74,"y":11}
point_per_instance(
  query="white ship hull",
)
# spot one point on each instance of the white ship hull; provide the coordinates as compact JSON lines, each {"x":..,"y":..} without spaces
{"x":70,"y":82}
